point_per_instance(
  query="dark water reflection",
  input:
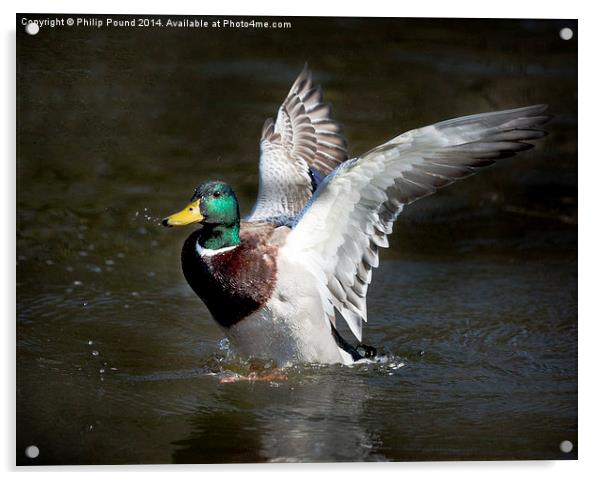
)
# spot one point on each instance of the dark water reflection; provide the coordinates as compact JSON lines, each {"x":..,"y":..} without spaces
{"x":474,"y":306}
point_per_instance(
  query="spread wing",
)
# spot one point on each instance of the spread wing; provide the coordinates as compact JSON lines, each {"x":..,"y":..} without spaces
{"x":339,"y":232}
{"x":298,"y":150}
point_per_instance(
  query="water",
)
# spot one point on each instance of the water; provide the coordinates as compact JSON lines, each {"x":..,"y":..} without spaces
{"x":473,"y":310}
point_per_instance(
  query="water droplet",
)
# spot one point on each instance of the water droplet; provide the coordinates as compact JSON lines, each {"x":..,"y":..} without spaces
{"x":77,"y":283}
{"x":69,"y":269}
{"x":95,"y":353}
{"x":109,"y":262}
{"x":90,"y":342}
{"x":102,"y":370}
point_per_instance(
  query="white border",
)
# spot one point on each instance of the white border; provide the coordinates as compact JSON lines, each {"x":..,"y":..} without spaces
{"x":374,"y":8}
{"x":589,"y":236}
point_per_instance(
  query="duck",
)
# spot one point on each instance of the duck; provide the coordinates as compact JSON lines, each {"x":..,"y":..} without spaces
{"x":280,"y":281}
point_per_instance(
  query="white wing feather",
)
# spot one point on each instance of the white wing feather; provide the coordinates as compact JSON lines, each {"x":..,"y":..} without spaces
{"x":339,"y":232}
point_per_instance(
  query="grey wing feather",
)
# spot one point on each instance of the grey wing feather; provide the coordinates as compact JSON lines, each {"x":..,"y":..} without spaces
{"x":303,"y":142}
{"x":340,"y":232}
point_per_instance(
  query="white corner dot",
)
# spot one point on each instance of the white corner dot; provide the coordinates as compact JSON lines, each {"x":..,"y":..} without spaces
{"x":32,"y":28}
{"x":566,"y":33}
{"x":32,"y":451}
{"x":566,"y":446}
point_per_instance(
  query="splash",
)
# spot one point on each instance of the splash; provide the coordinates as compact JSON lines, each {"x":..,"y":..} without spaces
{"x":229,"y":367}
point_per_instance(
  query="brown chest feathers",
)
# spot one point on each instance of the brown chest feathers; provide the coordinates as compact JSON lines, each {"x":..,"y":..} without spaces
{"x":236,"y":282}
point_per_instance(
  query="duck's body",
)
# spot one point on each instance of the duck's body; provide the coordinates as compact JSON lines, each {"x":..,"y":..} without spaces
{"x":307,"y":250}
{"x":290,"y":326}
{"x":260,"y":310}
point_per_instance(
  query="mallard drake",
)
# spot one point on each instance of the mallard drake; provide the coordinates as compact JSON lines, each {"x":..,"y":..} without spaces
{"x":275,"y":281}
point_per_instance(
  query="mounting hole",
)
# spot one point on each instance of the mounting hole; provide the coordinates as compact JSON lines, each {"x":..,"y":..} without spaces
{"x":566,"y":33}
{"x":32,"y":28}
{"x":566,"y":446}
{"x":32,"y":451}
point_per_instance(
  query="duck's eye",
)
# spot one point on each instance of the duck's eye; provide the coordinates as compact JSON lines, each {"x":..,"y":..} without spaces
{"x":190,"y":209}
{"x":216,"y":194}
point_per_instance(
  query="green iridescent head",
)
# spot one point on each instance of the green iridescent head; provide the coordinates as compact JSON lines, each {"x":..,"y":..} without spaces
{"x":213,"y":205}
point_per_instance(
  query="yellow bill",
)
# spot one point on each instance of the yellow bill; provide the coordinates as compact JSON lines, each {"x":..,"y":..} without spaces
{"x":190,"y":214}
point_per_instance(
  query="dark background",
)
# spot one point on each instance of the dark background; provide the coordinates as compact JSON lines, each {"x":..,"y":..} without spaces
{"x":477,"y":296}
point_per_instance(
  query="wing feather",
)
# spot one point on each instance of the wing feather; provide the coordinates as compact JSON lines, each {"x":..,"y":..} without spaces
{"x":339,"y":232}
{"x":304,"y":140}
